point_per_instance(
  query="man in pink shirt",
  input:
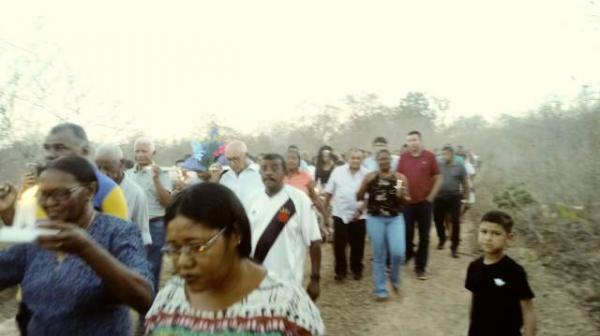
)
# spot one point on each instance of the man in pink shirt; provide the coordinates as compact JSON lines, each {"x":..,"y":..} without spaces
{"x":424,"y":181}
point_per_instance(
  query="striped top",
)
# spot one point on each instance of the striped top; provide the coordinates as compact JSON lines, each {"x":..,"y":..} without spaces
{"x":275,"y":308}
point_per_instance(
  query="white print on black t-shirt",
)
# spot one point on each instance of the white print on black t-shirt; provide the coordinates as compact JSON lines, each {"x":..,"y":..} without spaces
{"x":499,"y":282}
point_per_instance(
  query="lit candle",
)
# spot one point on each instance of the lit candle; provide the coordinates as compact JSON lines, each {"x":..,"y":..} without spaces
{"x":399,"y":183}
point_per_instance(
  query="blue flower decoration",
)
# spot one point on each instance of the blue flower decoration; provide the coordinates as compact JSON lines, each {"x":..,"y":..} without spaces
{"x":198,"y":150}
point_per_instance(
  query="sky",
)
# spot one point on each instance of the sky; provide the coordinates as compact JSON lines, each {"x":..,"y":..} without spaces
{"x":167,"y":68}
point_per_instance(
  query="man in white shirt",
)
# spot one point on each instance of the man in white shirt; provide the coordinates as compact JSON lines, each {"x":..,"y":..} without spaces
{"x":347,"y":213}
{"x":109,"y":159}
{"x":370,"y":163}
{"x":284,"y":225}
{"x":243,"y":177}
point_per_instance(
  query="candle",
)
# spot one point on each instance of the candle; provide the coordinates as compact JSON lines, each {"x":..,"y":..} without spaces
{"x":23,"y":229}
{"x":399,"y":184}
{"x":26,"y":208}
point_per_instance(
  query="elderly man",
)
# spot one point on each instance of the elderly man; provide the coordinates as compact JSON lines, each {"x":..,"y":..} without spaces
{"x":243,"y":176}
{"x":157,"y":185}
{"x":109,"y":159}
{"x":284,"y":225}
{"x":70,"y":139}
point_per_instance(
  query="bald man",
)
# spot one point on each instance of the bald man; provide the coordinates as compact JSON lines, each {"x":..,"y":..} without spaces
{"x":109,"y":159}
{"x":243,"y":176}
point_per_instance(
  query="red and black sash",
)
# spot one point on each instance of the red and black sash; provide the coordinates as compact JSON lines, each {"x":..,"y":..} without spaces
{"x":273,"y":230}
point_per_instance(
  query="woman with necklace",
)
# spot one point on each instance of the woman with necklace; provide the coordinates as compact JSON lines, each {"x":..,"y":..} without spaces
{"x":386,"y":191}
{"x":81,"y":280}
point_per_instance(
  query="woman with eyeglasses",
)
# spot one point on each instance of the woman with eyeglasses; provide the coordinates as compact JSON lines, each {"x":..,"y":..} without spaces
{"x":218,"y":289}
{"x":83,"y":279}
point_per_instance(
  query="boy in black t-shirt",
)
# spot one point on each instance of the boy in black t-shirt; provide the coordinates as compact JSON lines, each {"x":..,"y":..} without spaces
{"x":502,"y":299}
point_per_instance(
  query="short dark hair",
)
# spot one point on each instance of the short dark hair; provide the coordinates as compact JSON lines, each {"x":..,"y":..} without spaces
{"x":293,"y":147}
{"x":448,"y":148}
{"x":499,"y":217}
{"x":217,"y":207}
{"x":77,"y":166}
{"x":296,"y":152}
{"x":383,"y":151}
{"x":380,"y":139}
{"x":275,"y":156}
{"x":77,"y":130}
{"x":417,"y":133}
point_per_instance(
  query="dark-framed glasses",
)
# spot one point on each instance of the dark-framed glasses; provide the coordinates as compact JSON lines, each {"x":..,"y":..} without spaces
{"x":192,"y":249}
{"x":58,"y":195}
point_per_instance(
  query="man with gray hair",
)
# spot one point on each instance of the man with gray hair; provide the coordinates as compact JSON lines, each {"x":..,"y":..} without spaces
{"x":157,"y":185}
{"x":109,"y":159}
{"x":243,"y":177}
{"x":348,"y":215}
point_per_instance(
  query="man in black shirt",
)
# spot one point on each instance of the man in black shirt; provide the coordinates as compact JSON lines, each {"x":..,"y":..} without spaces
{"x":502,"y":299}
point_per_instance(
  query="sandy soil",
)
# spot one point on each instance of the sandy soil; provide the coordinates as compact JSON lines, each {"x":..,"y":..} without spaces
{"x":438,"y":306}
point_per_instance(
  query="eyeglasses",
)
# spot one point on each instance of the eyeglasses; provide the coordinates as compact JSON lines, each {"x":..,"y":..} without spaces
{"x":58,"y":195}
{"x":193,"y":249}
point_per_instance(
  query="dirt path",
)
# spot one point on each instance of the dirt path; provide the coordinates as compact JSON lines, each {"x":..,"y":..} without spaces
{"x":438,"y":306}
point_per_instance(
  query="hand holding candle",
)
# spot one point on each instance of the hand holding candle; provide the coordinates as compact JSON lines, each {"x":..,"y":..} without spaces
{"x":399,"y":184}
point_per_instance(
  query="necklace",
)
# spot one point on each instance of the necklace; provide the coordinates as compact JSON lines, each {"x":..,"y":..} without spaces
{"x":60,"y":256}
{"x":89,"y":224}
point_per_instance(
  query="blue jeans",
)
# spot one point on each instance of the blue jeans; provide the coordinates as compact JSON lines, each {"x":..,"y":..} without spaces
{"x":155,"y":255}
{"x":388,"y":230}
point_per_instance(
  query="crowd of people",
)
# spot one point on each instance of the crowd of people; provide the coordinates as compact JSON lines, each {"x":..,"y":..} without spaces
{"x":238,"y":235}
